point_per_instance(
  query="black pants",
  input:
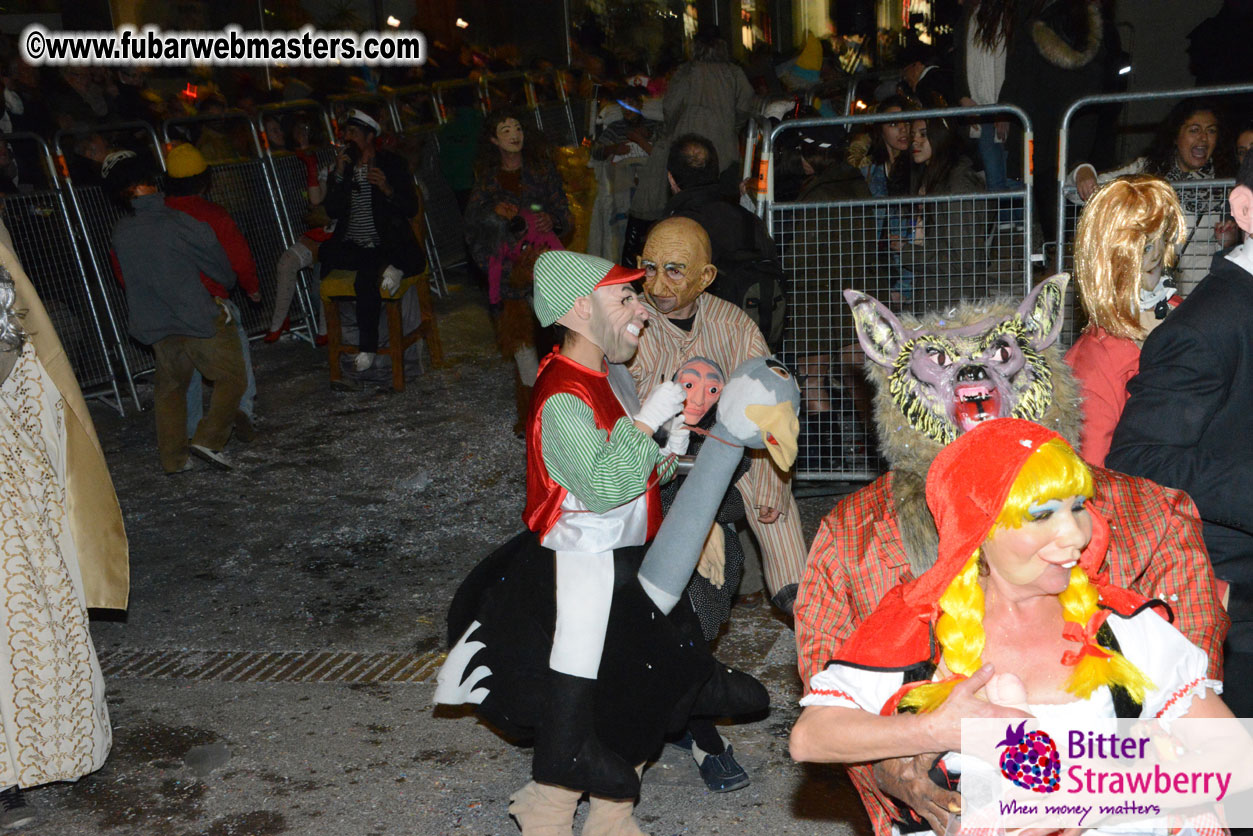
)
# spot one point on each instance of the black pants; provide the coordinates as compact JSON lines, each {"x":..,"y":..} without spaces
{"x":633,"y":239}
{"x":369,"y":262}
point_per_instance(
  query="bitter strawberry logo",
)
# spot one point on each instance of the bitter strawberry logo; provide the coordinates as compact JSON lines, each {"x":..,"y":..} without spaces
{"x":1030,"y":760}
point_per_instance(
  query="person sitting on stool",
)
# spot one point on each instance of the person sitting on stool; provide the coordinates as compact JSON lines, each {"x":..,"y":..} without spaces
{"x":371,"y":195}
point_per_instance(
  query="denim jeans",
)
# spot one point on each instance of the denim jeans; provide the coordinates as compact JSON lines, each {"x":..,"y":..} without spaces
{"x":195,"y":390}
{"x":995,"y":158}
{"x":995,"y":163}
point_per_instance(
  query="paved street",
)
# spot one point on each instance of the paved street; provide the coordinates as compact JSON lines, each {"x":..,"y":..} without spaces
{"x":274,"y":672}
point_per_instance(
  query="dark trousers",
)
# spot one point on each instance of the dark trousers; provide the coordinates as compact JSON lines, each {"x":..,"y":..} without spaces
{"x":219,"y":359}
{"x":369,"y":263}
{"x":633,"y":240}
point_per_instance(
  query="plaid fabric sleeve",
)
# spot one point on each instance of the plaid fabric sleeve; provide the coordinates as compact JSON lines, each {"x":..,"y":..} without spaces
{"x":846,"y":576}
{"x":602,"y":469}
{"x":852,"y":564}
{"x":823,"y":611}
{"x":1157,"y":532}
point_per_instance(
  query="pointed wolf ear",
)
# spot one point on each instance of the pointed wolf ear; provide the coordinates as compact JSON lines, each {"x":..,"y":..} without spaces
{"x":878,"y":330}
{"x":1044,"y":310}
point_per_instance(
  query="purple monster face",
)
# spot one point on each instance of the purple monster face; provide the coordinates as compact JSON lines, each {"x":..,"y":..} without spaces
{"x":945,"y":380}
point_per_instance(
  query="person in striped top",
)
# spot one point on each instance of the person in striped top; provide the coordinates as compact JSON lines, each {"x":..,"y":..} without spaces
{"x":371,"y":195}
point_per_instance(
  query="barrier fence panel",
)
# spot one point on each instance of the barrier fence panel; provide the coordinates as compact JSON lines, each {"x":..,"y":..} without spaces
{"x":94,"y":216}
{"x":414,"y":107}
{"x":243,"y":188}
{"x":1204,"y":202}
{"x":552,"y":107}
{"x":291,"y":190}
{"x":43,"y":240}
{"x":450,"y":95}
{"x":585,"y":108}
{"x":913,"y":253}
{"x":420,"y":147}
{"x":445,"y":230}
{"x":755,"y":131}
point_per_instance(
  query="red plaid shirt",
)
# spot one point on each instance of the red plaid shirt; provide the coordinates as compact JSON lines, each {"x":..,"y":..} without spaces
{"x":857,"y":556}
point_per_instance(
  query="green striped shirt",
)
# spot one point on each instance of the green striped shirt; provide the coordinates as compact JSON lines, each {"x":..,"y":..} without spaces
{"x":602,"y":469}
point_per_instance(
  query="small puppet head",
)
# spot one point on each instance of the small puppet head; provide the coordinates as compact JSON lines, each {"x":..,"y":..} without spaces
{"x":676,"y":265}
{"x":1129,"y":231}
{"x":703,"y":380}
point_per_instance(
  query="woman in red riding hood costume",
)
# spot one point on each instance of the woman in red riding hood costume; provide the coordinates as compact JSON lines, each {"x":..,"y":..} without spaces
{"x":1011,"y":621}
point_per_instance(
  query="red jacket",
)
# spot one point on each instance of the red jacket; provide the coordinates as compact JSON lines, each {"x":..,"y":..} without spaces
{"x":560,"y":374}
{"x":229,"y":236}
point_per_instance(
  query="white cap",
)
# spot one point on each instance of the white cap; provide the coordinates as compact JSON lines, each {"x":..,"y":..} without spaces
{"x":362,"y":120}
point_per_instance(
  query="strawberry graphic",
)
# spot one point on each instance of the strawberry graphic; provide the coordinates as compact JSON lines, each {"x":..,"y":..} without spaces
{"x":1030,"y":760}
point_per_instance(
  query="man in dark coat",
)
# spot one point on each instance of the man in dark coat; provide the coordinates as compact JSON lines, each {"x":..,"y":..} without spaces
{"x":1197,"y":368}
{"x":371,"y":196}
{"x":697,"y":193}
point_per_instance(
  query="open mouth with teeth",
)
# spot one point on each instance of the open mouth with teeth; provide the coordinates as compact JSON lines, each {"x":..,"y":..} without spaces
{"x":974,"y":403}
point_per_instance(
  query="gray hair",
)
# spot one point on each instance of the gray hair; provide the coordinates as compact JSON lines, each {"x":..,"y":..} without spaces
{"x":12,"y":335}
{"x":711,"y":50}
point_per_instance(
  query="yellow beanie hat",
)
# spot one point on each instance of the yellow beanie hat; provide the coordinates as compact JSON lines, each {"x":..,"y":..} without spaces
{"x":811,"y":56}
{"x":184,"y":160}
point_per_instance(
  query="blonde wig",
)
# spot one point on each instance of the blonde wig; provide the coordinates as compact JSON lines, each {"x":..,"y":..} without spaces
{"x":1119,"y":221}
{"x":1053,"y":472}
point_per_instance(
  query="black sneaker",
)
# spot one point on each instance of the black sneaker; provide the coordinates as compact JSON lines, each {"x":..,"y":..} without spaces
{"x":14,"y":811}
{"x":722,"y":773}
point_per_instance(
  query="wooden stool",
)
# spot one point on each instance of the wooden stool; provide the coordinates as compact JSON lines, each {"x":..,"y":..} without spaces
{"x":338,"y":284}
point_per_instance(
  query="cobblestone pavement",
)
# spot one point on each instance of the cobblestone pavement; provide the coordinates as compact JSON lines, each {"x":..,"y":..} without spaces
{"x":274,"y":672}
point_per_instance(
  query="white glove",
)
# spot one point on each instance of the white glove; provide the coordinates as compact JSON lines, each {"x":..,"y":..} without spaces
{"x":391,"y":280}
{"x":664,"y":403}
{"x":680,"y":435}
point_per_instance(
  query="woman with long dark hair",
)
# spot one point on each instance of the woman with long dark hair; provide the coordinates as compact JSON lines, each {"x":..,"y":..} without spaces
{"x":987,"y":27}
{"x":886,"y":164}
{"x":1190,"y":145}
{"x":944,"y":250}
{"x":517,"y":194}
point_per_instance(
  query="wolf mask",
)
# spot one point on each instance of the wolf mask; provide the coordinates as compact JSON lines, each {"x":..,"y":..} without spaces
{"x":940,"y":375}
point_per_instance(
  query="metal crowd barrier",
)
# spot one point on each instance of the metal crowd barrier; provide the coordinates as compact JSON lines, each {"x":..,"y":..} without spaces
{"x":441,"y":215}
{"x":94,"y":215}
{"x":291,"y":190}
{"x":755,"y":130}
{"x":506,"y":91}
{"x":236,"y":185}
{"x":1204,"y":201}
{"x":552,"y":107}
{"x":414,"y":108}
{"x":913,"y":253}
{"x":584,"y":110}
{"x":450,"y":95}
{"x":44,"y":242}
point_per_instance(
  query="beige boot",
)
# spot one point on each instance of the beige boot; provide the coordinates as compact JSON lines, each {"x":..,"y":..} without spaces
{"x":544,"y":809}
{"x":606,"y":817}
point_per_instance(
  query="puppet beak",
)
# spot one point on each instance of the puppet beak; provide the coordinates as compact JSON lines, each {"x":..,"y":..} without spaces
{"x":779,"y":430}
